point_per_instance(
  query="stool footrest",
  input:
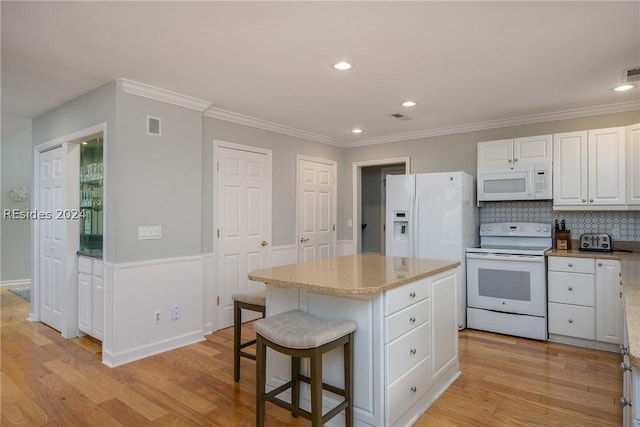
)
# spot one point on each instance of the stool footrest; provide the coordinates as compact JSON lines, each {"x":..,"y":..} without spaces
{"x":328,"y":387}
{"x":247,"y":355}
{"x":247,"y":344}
{"x":272,"y":397}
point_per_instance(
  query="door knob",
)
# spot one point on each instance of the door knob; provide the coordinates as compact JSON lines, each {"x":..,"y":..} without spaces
{"x":304,"y":239}
{"x":264,"y":243}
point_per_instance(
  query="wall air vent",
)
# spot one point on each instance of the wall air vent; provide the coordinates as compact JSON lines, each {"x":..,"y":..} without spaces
{"x":400,"y":116}
{"x":153,"y":126}
{"x":631,"y":75}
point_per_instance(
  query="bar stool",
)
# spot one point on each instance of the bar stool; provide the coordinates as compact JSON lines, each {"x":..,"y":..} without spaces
{"x":254,"y":301}
{"x":298,"y":335}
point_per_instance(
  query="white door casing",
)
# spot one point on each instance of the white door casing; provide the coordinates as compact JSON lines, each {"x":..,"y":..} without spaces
{"x":357,"y":192}
{"x":316,"y":208}
{"x":243,"y":215}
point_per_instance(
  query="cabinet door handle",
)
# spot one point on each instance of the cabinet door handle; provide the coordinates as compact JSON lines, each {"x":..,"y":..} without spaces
{"x":623,"y":350}
{"x":412,"y":294}
{"x":570,"y":288}
{"x":414,"y":389}
{"x":570,"y":320}
{"x":570,"y":264}
{"x":599,"y":264}
{"x":584,"y":200}
{"x":509,"y":160}
{"x":590,"y":200}
{"x":515,"y":160}
{"x":412,"y":319}
{"x":624,"y":402}
{"x":412,"y":351}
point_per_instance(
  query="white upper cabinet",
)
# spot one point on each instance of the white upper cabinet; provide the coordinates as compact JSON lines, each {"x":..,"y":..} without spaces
{"x":589,"y":169}
{"x":633,"y":165}
{"x":519,"y":150}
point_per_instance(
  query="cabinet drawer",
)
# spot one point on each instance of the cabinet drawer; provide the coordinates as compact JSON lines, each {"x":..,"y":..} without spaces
{"x":405,"y":320}
{"x":572,"y":288}
{"x":407,"y":351}
{"x":403,"y":296}
{"x":408,"y":389}
{"x":572,"y":321}
{"x":572,"y":265}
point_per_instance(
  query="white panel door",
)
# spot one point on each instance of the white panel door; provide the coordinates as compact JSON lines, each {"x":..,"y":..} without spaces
{"x":53,"y":238}
{"x":316,"y":209}
{"x":244,"y":224}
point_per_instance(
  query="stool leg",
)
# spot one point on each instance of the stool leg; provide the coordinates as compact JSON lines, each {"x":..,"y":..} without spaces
{"x":261,"y":380}
{"x":348,"y":381}
{"x":316,"y":388}
{"x":237,"y":331}
{"x":295,"y":388}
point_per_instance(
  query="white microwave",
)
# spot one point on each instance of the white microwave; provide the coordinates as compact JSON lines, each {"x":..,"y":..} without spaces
{"x":532,"y":181}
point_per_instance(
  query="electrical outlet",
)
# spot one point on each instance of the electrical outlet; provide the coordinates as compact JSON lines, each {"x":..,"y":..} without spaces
{"x":156,"y":317}
{"x":175,"y":312}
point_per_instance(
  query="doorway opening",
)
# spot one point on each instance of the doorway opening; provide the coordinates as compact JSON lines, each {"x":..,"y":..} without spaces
{"x":369,"y":178}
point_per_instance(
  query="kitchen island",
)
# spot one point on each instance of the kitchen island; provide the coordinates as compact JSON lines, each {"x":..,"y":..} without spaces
{"x":406,"y":342}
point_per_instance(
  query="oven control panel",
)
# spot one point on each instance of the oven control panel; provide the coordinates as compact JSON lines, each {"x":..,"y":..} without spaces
{"x":522,"y":229}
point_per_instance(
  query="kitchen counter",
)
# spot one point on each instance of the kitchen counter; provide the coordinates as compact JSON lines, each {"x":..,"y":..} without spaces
{"x":630,"y":263}
{"x":353,"y":274}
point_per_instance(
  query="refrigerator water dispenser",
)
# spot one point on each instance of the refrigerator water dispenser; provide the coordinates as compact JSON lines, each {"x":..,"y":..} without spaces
{"x":401,"y":225}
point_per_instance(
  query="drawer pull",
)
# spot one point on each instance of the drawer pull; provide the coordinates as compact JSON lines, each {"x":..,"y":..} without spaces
{"x":624,"y":402}
{"x":625,"y":367}
{"x":412,"y":294}
{"x":599,"y":264}
{"x":570,"y":264}
{"x":414,"y":389}
{"x":570,"y":320}
{"x":412,"y":319}
{"x":620,"y":274}
{"x":412,"y":351}
{"x":570,"y":288}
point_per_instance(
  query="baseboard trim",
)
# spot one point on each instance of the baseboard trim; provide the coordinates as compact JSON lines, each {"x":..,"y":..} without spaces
{"x":26,"y":282}
{"x":112,"y":360}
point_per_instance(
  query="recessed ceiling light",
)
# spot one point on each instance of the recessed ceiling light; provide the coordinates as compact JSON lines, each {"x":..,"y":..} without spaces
{"x":408,"y":104}
{"x":623,"y":87}
{"x":357,"y":130}
{"x":343,"y":65}
{"x":84,"y":143}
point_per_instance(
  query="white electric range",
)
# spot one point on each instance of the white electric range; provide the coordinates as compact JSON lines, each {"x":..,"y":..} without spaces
{"x":506,"y":279}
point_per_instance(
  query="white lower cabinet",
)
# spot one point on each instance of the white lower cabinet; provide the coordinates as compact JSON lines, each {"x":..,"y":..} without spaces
{"x":91,"y":296}
{"x":585,"y":301}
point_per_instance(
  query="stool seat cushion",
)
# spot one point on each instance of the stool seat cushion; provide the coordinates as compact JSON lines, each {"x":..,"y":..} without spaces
{"x":255,"y":298}
{"x":298,"y":330}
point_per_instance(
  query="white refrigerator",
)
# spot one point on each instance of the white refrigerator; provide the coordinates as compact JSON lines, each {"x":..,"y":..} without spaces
{"x":433,"y":215}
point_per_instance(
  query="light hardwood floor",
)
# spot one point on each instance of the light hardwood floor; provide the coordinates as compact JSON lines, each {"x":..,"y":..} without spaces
{"x":506,"y":381}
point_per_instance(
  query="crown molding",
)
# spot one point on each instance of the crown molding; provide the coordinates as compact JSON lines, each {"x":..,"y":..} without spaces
{"x":230,"y":116}
{"x":502,"y":123}
{"x":136,"y":88}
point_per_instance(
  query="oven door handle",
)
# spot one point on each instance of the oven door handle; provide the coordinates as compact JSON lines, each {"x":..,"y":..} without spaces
{"x":506,"y":257}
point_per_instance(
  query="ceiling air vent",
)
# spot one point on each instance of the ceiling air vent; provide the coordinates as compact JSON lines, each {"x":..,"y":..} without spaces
{"x":400,"y":116}
{"x":153,"y":126}
{"x":631,"y":75}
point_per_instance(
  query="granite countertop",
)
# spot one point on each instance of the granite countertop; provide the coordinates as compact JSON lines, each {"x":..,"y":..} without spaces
{"x":630,"y":263}
{"x":352,"y":275}
{"x":91,"y":253}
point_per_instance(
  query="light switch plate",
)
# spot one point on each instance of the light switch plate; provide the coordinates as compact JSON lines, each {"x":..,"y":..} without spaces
{"x":146,"y":232}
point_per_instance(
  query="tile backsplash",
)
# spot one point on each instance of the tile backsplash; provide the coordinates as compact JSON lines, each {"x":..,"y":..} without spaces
{"x":621,"y":225}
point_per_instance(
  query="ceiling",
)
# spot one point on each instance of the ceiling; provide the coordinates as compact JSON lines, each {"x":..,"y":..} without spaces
{"x":468,"y":65}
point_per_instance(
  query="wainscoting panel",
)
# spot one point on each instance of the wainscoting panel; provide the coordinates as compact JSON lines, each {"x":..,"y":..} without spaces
{"x":134,"y":292}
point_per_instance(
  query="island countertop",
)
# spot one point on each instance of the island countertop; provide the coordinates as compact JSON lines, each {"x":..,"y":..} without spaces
{"x":353,"y":274}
